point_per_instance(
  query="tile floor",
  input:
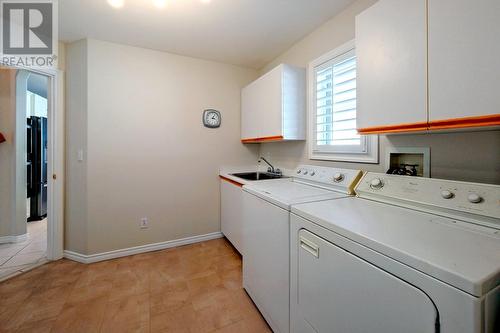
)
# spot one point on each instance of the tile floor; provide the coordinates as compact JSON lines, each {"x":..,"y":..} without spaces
{"x":19,"y":257}
{"x":194,"y":288}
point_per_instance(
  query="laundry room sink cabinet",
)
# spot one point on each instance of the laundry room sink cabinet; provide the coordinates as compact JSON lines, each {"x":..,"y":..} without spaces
{"x":273,"y":107}
{"x":231,"y":196}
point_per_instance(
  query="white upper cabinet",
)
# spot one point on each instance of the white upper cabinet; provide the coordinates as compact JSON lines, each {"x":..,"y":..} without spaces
{"x":464,"y":58}
{"x":428,"y":65}
{"x":273,"y":106}
{"x":391,"y":54}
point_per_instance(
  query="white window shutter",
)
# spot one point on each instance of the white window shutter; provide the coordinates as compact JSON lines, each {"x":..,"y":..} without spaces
{"x":335,"y":106}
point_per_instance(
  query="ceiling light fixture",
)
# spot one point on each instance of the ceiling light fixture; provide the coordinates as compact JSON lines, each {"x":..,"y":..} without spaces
{"x":160,"y":3}
{"x":116,"y":3}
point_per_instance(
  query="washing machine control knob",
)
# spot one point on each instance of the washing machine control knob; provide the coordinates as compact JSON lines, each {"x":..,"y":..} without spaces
{"x":376,"y":183}
{"x":313,"y":173}
{"x":338,"y":177}
{"x":299,"y":171}
{"x":474,"y":198}
{"x":306,"y":172}
{"x":447,"y":194}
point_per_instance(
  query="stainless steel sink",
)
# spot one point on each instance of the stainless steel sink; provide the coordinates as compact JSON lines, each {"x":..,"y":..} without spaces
{"x":256,"y":175}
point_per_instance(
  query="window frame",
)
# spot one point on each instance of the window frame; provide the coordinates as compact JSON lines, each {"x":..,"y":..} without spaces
{"x":370,"y":152}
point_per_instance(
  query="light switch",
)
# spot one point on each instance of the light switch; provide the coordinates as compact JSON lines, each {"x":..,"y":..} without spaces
{"x":80,"y":155}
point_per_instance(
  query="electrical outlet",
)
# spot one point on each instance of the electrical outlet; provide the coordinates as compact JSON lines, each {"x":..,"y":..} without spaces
{"x":144,"y":223}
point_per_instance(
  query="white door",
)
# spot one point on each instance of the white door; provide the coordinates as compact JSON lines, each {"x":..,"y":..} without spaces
{"x":338,"y":292}
{"x":391,"y":51}
{"x":464,"y":58}
{"x":266,"y":260}
{"x":230,"y":214}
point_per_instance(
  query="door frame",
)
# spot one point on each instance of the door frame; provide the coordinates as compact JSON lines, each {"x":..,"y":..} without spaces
{"x":55,"y":158}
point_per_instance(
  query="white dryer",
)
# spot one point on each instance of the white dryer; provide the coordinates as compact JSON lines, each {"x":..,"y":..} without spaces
{"x":409,"y":254}
{"x":266,"y":233}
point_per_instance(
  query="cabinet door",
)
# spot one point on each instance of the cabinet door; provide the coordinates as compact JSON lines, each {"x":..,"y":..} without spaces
{"x":271,"y":86}
{"x":249,"y":112}
{"x":391,"y":52}
{"x":262,"y":106}
{"x":464,"y":58}
{"x":230,"y":215}
{"x":339,"y":292}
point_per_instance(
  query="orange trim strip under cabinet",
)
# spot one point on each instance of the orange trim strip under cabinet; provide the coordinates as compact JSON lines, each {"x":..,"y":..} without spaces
{"x":231,"y":181}
{"x":479,"y":121}
{"x":263,"y":139}
{"x":414,"y":127}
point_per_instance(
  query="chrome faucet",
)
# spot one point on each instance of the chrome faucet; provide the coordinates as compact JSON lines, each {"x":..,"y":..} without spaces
{"x":271,"y":168}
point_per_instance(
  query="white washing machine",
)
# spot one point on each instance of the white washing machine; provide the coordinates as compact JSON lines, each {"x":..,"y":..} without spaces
{"x":266,"y":233}
{"x":408,"y":254}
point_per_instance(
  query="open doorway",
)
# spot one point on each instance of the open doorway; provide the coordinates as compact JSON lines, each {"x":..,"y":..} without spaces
{"x":24,"y":120}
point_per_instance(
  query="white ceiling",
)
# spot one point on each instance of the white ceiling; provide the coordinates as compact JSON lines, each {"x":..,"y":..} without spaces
{"x":248,"y":33}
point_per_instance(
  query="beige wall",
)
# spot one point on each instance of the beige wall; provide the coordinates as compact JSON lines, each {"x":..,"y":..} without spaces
{"x":75,"y":208}
{"x":470,"y":156}
{"x":136,"y":113}
{"x":61,"y":56}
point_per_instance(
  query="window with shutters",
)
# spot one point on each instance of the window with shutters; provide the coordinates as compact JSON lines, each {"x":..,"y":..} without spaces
{"x":332,"y":110}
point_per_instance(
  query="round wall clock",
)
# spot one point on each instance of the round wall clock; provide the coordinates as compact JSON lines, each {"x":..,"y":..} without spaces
{"x":211,"y":118}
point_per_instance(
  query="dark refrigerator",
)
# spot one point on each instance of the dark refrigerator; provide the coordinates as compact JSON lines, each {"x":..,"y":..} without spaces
{"x":36,"y":167}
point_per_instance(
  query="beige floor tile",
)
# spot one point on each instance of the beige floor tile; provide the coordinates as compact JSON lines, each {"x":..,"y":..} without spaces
{"x":7,"y":272}
{"x":38,"y":246}
{"x":4,"y":260}
{"x":195,"y":289}
{"x":42,"y":326}
{"x":129,"y":314}
{"x":10,"y":250}
{"x":24,"y":259}
{"x":86,"y":316}
{"x":24,"y":255}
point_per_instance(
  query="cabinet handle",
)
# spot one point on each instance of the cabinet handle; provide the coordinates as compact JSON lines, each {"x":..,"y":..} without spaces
{"x":309,"y":246}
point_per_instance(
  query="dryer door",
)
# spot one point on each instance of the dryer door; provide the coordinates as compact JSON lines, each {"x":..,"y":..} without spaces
{"x":339,"y":292}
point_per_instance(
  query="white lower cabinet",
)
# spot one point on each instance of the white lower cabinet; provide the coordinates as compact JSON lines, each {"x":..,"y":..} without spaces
{"x":231,"y":213}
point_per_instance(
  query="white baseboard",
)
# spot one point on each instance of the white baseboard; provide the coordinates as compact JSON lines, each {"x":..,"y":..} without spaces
{"x":88,"y":259}
{"x":14,"y":239}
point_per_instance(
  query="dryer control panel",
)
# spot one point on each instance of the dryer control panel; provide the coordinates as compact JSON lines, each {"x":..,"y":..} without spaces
{"x":435,"y":194}
{"x":342,"y":179}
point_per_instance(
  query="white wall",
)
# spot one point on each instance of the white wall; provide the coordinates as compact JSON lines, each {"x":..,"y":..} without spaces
{"x":136,"y":113}
{"x":469,"y":156}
